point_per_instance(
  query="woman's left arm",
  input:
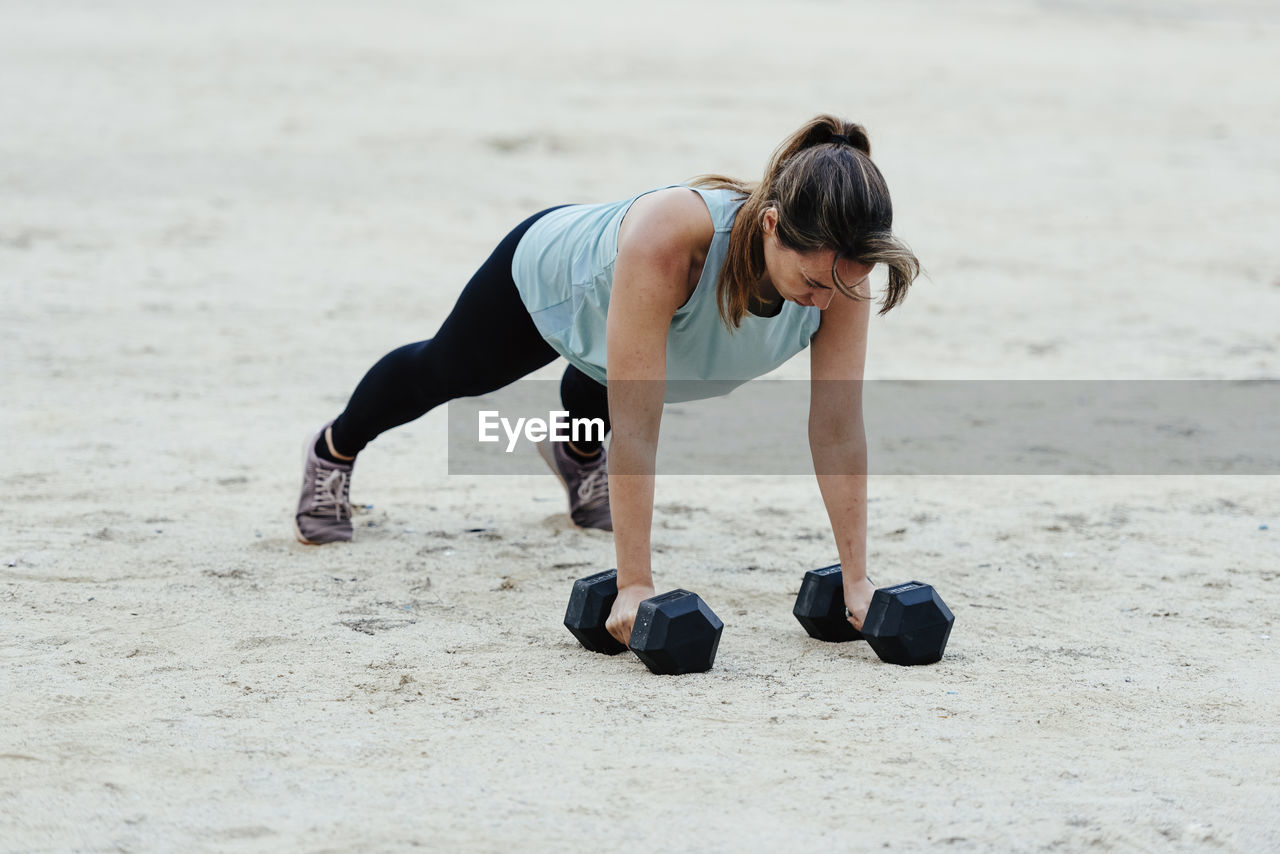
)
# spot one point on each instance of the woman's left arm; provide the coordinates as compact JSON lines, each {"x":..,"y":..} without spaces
{"x":838,"y":439}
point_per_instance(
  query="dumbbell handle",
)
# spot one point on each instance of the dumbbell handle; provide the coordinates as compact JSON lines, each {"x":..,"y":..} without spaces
{"x":596,"y":595}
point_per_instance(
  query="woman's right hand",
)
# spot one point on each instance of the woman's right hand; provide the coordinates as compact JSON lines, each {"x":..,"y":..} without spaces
{"x":623,"y":615}
{"x":857,"y":600}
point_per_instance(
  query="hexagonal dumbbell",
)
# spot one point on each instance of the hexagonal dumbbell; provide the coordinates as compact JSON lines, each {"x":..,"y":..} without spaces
{"x":673,"y":633}
{"x":905,"y":624}
{"x":589,"y":607}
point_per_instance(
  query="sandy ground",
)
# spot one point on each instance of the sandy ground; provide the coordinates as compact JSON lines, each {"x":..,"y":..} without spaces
{"x":214,"y":217}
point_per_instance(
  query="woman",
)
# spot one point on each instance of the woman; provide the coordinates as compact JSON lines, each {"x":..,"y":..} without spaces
{"x":713,"y":281}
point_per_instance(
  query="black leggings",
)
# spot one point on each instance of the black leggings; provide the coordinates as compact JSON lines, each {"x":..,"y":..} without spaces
{"x":487,"y":341}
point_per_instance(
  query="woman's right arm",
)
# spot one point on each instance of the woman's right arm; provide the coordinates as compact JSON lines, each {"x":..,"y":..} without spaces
{"x":657,"y":244}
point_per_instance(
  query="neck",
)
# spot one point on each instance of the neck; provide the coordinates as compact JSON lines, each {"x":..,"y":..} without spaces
{"x":766,"y":301}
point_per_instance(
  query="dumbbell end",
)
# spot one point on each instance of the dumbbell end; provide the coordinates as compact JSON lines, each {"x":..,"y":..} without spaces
{"x":908,"y":624}
{"x":589,"y":606}
{"x":819,"y":607}
{"x":676,"y":633}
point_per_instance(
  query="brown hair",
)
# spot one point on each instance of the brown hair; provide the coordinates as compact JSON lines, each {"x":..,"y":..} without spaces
{"x":828,"y":195}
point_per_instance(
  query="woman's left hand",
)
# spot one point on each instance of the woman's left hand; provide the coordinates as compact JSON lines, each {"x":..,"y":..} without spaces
{"x":857,"y":598}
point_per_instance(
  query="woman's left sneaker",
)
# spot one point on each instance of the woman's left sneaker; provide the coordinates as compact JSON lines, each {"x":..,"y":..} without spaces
{"x":324,"y":507}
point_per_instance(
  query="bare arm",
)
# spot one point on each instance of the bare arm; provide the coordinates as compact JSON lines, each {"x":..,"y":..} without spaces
{"x":838,"y":440}
{"x":657,"y":244}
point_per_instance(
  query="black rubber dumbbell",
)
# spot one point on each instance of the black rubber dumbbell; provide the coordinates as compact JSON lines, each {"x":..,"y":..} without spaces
{"x":673,"y":633}
{"x":905,"y":624}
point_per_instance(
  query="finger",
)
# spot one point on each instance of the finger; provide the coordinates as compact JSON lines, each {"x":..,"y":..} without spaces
{"x":621,"y":633}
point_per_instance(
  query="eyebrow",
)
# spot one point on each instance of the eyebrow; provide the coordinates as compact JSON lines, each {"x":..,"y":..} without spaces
{"x":814,"y":282}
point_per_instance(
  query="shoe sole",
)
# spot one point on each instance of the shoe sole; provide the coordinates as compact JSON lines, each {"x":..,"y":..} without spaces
{"x":297,"y":532}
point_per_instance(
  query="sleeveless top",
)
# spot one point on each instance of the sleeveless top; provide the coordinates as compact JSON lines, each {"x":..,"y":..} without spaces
{"x":563,"y":270}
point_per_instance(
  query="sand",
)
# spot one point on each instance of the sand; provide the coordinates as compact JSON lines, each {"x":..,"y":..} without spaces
{"x":215,"y":217}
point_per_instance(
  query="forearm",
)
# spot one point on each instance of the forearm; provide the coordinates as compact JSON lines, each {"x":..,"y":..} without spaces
{"x":841,"y":469}
{"x":635,"y":409}
{"x":631,"y":465}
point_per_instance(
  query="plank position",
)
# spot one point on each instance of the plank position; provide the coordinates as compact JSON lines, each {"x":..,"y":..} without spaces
{"x":715,"y":280}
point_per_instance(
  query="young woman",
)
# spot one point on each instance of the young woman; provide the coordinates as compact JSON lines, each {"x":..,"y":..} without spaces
{"x":716,"y":280}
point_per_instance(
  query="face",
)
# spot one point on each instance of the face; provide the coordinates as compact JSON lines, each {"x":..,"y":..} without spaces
{"x":805,"y":277}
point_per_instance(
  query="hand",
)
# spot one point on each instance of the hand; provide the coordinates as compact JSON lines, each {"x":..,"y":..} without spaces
{"x":623,"y":615}
{"x":857,"y":598}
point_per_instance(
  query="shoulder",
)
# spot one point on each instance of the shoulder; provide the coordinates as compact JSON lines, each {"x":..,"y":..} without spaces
{"x":662,"y":243}
{"x":671,"y":225}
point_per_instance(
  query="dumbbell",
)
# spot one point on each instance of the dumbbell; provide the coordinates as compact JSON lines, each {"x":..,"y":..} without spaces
{"x":905,"y":624}
{"x":673,"y":633}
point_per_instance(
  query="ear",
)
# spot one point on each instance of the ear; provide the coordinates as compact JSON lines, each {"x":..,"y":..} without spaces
{"x":769,"y":220}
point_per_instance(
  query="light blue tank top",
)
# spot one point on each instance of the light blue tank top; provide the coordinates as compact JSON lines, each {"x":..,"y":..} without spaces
{"x":563,"y":269}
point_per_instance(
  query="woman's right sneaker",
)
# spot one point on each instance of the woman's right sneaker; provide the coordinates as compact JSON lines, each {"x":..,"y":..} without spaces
{"x":324,"y":508}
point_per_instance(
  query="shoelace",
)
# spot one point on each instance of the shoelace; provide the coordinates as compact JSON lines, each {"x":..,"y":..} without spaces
{"x":332,"y":492}
{"x":594,"y":489}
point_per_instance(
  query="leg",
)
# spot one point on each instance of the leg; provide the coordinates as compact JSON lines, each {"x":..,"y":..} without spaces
{"x":487,"y":341}
{"x":583,"y":397}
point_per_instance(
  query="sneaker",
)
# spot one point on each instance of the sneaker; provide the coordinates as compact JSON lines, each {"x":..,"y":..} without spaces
{"x":586,"y":483}
{"x":324,"y":508}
